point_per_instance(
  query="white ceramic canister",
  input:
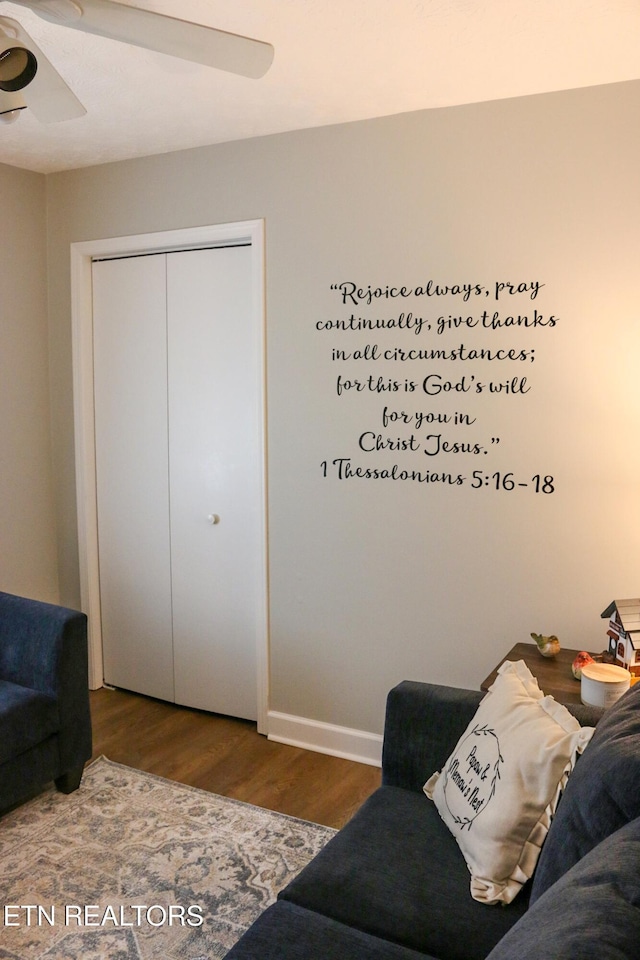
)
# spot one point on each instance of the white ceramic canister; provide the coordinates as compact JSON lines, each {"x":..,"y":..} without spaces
{"x":602,"y":684}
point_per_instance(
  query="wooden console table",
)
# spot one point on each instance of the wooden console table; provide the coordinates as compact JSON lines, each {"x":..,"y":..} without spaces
{"x":553,"y":674}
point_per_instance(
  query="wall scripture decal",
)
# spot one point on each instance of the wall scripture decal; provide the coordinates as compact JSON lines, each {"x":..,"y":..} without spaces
{"x":424,"y":384}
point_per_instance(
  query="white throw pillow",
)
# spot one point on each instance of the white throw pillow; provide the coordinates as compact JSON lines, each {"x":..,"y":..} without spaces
{"x":501,"y":785}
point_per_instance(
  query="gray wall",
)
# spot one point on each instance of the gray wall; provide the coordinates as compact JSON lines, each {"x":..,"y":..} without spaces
{"x":28,"y":561}
{"x":373,"y":580}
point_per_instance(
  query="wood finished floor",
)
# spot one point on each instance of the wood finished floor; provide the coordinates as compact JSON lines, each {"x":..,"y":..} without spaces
{"x":228,"y":757}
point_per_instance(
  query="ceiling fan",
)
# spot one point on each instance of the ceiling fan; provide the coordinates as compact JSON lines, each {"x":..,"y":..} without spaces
{"x":28,"y":79}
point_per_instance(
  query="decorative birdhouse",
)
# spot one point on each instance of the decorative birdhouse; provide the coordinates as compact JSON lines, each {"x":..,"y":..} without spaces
{"x":624,"y":633}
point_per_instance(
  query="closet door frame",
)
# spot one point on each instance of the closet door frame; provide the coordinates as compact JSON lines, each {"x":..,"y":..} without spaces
{"x":82,"y":256}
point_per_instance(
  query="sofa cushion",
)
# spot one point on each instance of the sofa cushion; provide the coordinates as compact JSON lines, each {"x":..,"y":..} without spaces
{"x":285,"y":930}
{"x":602,"y":794}
{"x":591,"y":913}
{"x":500,"y":786}
{"x":26,"y":717}
{"x":395,"y":872}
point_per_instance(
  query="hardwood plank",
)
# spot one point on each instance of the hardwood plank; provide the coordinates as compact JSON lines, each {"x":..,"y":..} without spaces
{"x":228,"y":757}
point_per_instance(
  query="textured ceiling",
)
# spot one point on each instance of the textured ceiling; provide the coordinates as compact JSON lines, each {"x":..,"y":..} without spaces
{"x":335,"y":61}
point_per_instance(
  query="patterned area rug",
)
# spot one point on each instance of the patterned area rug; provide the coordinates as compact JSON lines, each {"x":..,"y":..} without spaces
{"x":134,"y":866}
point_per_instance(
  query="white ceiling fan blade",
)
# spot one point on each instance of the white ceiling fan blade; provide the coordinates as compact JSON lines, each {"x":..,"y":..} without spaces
{"x":47,"y":96}
{"x":155,"y":31}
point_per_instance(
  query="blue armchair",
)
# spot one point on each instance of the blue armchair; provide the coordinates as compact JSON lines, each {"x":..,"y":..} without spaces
{"x":45,"y":724}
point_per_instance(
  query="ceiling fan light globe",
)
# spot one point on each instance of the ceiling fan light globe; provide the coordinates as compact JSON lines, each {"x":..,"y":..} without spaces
{"x":10,"y":116}
{"x":18,"y":66}
{"x":11,"y":106}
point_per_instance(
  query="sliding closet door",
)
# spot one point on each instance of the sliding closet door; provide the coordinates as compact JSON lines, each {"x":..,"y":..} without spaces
{"x":132,"y":461}
{"x":215,"y":471}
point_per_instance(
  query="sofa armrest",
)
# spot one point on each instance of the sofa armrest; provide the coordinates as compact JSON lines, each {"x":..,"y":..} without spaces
{"x":423,"y":723}
{"x":42,"y":646}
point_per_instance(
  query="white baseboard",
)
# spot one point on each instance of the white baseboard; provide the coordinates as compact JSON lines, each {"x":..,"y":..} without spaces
{"x":321,"y":737}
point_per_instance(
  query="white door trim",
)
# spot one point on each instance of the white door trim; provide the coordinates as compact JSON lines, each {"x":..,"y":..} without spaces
{"x":82,"y":254}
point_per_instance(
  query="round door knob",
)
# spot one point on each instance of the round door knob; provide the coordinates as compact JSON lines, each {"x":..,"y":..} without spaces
{"x":213,"y":518}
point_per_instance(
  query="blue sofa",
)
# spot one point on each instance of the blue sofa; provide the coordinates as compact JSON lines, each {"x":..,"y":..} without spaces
{"x":45,"y":724}
{"x":393,"y":885}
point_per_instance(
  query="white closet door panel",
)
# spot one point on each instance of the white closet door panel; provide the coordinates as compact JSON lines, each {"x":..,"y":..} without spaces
{"x":130,"y":358}
{"x":215,"y":471}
